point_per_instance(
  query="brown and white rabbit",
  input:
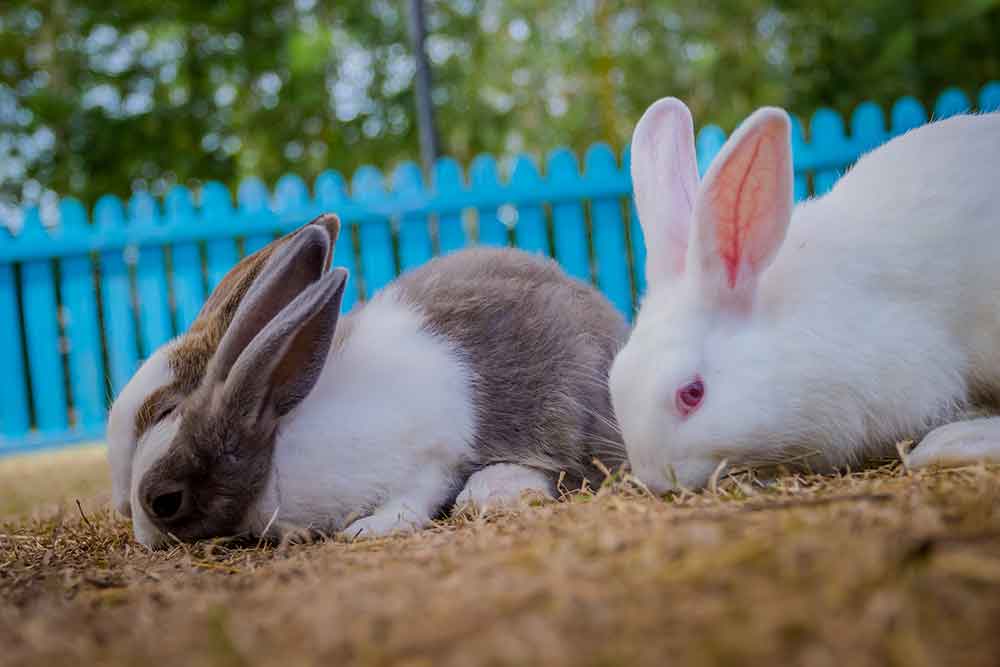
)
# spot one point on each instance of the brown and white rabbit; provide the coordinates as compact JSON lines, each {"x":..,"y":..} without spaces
{"x":475,"y":377}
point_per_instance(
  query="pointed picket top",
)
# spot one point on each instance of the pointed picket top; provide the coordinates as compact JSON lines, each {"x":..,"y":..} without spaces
{"x":562,"y":166}
{"x":951,"y":103}
{"x":33,"y":231}
{"x":253,"y":196}
{"x":142,"y":209}
{"x":708,"y":143}
{"x":868,"y":126}
{"x":907,"y":113}
{"x":73,"y":215}
{"x":828,"y":139}
{"x":599,"y":163}
{"x":180,"y":205}
{"x":483,"y":172}
{"x":530,"y":230}
{"x":330,"y":189}
{"x":368,"y":184}
{"x":290,"y":194}
{"x":484,"y":177}
{"x":408,"y":182}
{"x":989,"y":97}
{"x":524,"y":173}
{"x":447,"y":178}
{"x":109,"y":213}
{"x":215,"y":201}
{"x":7,"y":229}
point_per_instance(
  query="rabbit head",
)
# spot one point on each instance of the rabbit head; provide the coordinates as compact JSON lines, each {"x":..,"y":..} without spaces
{"x":190,"y":435}
{"x":685,"y":384}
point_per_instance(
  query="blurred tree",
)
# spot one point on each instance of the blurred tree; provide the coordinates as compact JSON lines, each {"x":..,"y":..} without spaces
{"x":99,"y":96}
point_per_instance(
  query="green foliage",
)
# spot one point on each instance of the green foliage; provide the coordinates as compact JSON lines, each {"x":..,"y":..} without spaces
{"x":99,"y":96}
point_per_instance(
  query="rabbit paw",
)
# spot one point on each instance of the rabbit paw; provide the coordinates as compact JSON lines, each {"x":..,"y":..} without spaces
{"x":503,"y":484}
{"x":959,"y":443}
{"x":386,"y":521}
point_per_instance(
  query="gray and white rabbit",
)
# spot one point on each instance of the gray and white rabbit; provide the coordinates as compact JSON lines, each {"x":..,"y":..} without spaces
{"x":475,"y":377}
{"x":820,"y":334}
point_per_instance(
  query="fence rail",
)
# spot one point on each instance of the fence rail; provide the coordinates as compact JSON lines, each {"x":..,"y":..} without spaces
{"x":84,"y":300}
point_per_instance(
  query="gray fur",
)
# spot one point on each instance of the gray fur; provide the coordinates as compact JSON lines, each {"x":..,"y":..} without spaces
{"x":267,"y":362}
{"x":540,"y":345}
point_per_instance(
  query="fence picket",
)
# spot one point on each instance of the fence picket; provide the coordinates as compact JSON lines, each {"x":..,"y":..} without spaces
{"x":253,"y":203}
{"x":485,"y":179}
{"x":609,"y":232}
{"x":378,"y":263}
{"x":529,"y":230}
{"x":79,"y":297}
{"x":826,"y":132}
{"x":189,"y":282}
{"x":331,"y":193}
{"x":708,"y":143}
{"x":569,"y":225}
{"x":636,"y":239}
{"x":220,"y":254}
{"x":951,"y":102}
{"x":448,"y":185}
{"x":414,"y":235}
{"x":116,"y":298}
{"x":907,"y":113}
{"x":989,"y":97}
{"x":155,"y":327}
{"x":41,"y":320}
{"x":15,"y":419}
{"x":867,"y":127}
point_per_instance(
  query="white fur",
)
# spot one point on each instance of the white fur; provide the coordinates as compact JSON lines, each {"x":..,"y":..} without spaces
{"x":122,"y":442}
{"x":879,"y":314}
{"x":959,"y":443}
{"x":389,"y":421}
{"x":503,"y":484}
{"x":376,"y":442}
{"x":152,"y":447}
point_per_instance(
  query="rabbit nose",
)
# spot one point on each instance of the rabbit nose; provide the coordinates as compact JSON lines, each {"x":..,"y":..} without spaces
{"x":167,"y":504}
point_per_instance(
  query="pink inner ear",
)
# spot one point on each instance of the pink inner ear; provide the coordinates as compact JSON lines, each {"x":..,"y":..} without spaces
{"x":749,"y":199}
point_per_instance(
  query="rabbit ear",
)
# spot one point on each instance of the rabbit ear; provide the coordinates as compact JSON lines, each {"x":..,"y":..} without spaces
{"x":290,"y":270}
{"x":234,"y":284}
{"x":281,"y":365}
{"x":744,"y":206}
{"x":665,"y":179}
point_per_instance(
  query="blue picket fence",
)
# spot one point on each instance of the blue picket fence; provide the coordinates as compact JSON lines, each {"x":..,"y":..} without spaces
{"x":83,"y":301}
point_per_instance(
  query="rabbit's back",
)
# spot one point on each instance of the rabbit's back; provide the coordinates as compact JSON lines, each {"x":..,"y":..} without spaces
{"x":539,"y":345}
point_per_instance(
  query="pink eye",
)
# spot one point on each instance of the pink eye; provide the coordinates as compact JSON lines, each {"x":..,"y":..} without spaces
{"x":689,"y":396}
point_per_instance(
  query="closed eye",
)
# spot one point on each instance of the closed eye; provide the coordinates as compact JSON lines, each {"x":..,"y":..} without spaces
{"x":164,"y":412}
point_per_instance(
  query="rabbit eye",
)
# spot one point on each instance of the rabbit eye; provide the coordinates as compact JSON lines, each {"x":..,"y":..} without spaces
{"x":164,"y":412}
{"x":689,"y":396}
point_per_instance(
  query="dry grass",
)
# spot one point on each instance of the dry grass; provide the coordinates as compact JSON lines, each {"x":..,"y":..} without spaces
{"x":875,"y":568}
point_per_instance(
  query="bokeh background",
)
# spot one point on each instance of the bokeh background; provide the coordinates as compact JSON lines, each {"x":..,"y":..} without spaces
{"x":104,"y":97}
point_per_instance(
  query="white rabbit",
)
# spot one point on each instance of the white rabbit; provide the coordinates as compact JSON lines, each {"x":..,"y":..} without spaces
{"x":476,"y":376}
{"x":820,"y":335}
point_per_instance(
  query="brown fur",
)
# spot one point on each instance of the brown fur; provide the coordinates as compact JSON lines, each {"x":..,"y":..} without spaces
{"x":189,"y":356}
{"x":266,"y":363}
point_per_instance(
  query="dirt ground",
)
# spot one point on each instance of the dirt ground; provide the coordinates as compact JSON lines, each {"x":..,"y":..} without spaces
{"x":876,"y":568}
